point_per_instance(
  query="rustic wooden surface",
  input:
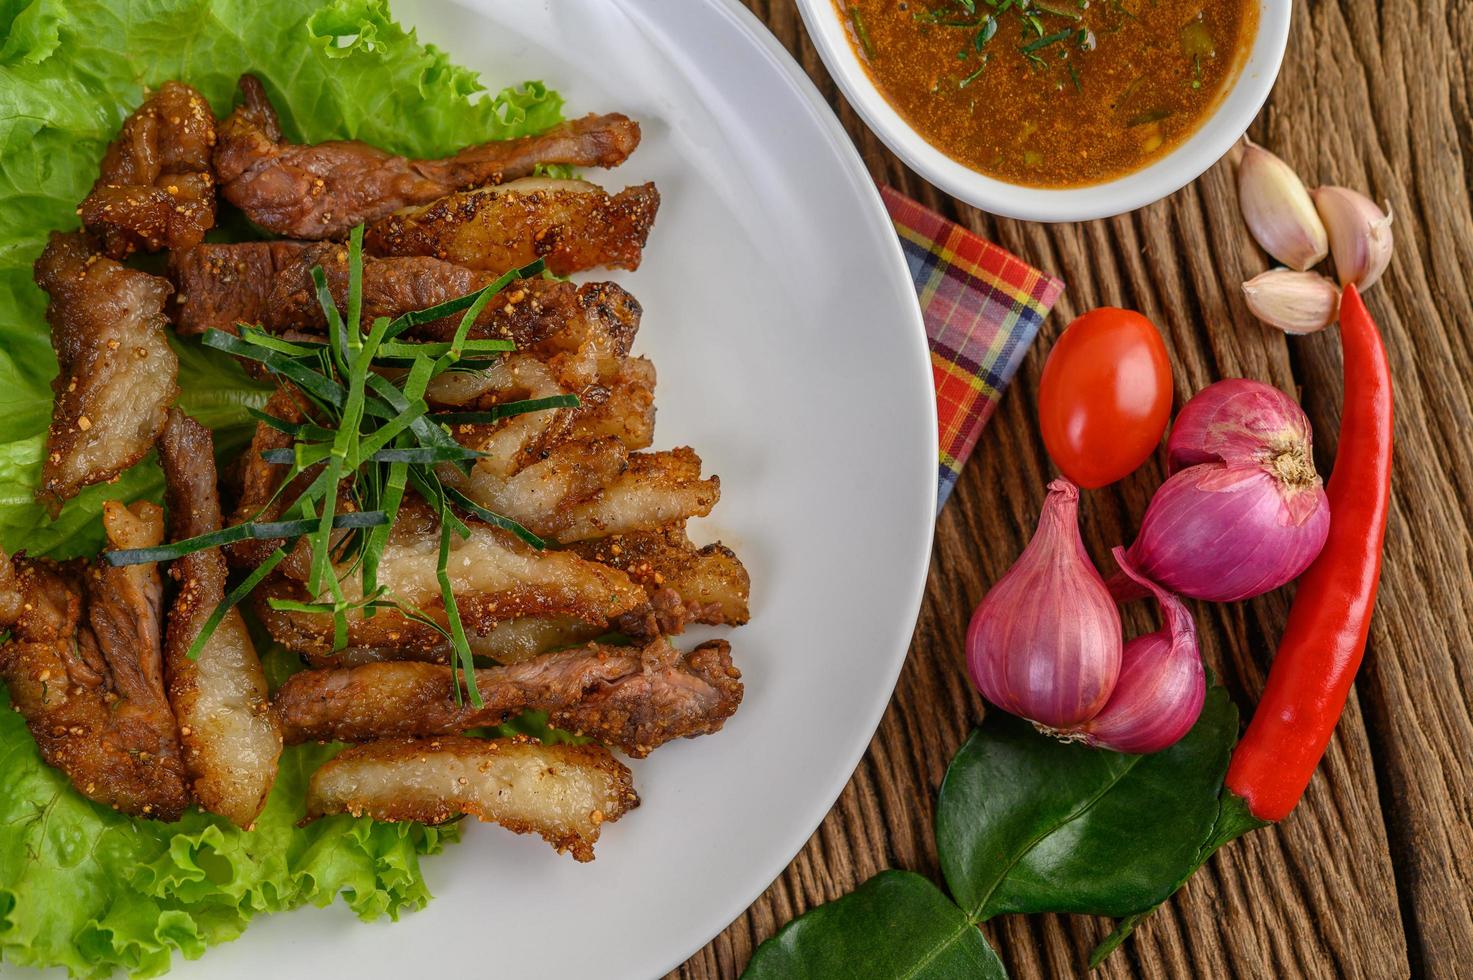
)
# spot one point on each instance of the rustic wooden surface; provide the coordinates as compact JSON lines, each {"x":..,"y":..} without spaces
{"x":1372,"y":875}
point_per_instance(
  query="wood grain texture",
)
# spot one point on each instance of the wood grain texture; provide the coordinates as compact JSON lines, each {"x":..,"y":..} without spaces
{"x":1372,"y":875}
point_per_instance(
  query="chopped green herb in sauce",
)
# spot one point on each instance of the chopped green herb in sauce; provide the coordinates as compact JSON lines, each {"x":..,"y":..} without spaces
{"x":1104,"y":86}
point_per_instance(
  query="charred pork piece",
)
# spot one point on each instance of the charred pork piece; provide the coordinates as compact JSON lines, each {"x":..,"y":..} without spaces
{"x":83,"y":666}
{"x":156,"y":189}
{"x":217,"y":286}
{"x":634,"y":699}
{"x":710,"y":582}
{"x":269,"y":284}
{"x":230,"y":734}
{"x":507,"y":643}
{"x":583,"y":490}
{"x":322,"y":190}
{"x":494,"y":575}
{"x":685,"y":585}
{"x":565,"y":793}
{"x":572,"y":224}
{"x":118,"y":375}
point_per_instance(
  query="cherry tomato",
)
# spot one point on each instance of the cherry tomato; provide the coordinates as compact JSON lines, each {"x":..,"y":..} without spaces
{"x":1105,"y":397}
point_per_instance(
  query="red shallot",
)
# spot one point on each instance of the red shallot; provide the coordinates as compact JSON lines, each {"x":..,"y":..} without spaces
{"x":1045,"y":642}
{"x":1162,"y":684}
{"x":1248,"y":512}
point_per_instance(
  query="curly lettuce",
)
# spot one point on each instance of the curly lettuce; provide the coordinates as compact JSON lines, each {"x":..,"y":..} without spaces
{"x":70,"y":73}
{"x":82,"y":887}
{"x":89,"y":889}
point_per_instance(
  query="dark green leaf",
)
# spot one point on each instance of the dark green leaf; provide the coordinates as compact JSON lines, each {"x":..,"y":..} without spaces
{"x":309,"y":380}
{"x":1233,"y":821}
{"x":507,"y":409}
{"x":896,"y":925}
{"x":398,"y":350}
{"x":491,"y":517}
{"x":254,"y":530}
{"x":233,"y":598}
{"x":1026,"y":823}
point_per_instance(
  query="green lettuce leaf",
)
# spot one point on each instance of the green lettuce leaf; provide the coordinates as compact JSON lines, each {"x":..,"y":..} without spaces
{"x":82,"y":887}
{"x":70,"y":74}
{"x":89,"y":889}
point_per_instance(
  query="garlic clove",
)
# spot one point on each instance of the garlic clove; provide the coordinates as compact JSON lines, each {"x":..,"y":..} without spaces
{"x":1295,"y":302}
{"x":1278,"y":210}
{"x":1360,"y":234}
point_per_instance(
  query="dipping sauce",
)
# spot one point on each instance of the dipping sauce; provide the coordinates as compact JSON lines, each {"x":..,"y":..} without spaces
{"x":1057,"y":94}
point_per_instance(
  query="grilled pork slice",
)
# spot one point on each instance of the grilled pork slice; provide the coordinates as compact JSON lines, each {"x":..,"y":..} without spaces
{"x":118,"y":376}
{"x":565,"y":793}
{"x":270,"y":284}
{"x":510,"y":642}
{"x":157,"y":189}
{"x":685,"y":585}
{"x":710,"y":582}
{"x":322,"y":190}
{"x":635,"y":699}
{"x":572,"y":224}
{"x":495,"y":577}
{"x":83,"y":666}
{"x":596,"y":488}
{"x":217,"y":286}
{"x":230,"y":734}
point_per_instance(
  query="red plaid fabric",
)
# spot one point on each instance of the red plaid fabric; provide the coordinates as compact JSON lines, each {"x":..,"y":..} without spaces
{"x":982,"y":306}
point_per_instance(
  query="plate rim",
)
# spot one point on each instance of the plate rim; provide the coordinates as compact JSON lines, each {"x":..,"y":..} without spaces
{"x":747,"y":22}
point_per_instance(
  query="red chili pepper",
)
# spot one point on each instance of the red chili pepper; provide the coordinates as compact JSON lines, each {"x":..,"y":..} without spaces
{"x":1325,"y":637}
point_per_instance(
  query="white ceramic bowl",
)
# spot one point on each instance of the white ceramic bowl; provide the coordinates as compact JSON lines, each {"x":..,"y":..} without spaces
{"x":1166,"y":176}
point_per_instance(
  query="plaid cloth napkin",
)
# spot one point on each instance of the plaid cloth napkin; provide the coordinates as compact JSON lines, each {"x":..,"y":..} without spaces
{"x":982,"y":306}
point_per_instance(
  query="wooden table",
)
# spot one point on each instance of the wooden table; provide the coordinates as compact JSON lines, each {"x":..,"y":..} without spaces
{"x":1373,"y":874}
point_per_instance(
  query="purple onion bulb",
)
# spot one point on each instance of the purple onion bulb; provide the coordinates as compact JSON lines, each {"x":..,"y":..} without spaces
{"x":1162,"y":684}
{"x":1237,"y":421}
{"x":1244,"y":511}
{"x":1045,"y":642}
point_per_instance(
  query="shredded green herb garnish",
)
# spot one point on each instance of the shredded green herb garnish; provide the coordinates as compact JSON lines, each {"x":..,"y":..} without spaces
{"x":861,"y":33}
{"x":369,"y":436}
{"x":983,"y":18}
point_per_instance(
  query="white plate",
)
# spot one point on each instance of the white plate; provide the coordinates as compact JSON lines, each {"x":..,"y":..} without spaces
{"x":791,"y":355}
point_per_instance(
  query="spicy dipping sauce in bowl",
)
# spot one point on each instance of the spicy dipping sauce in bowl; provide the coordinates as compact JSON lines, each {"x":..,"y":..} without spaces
{"x":1054,"y":110}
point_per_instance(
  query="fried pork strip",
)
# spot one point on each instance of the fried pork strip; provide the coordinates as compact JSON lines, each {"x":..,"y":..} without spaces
{"x":217,"y":286}
{"x":495,"y":578}
{"x":565,"y":793}
{"x":710,"y":581}
{"x":118,"y":376}
{"x":596,"y":488}
{"x":230,"y":734}
{"x":507,"y":643}
{"x":568,"y":474}
{"x":322,"y":190}
{"x":82,"y":664}
{"x":685,"y":585}
{"x":157,"y":189}
{"x":635,"y":699}
{"x":571,"y":224}
{"x":270,"y":284}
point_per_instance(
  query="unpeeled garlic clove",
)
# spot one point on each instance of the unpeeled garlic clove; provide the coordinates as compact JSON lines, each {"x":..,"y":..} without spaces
{"x":1279,"y":211}
{"x":1360,"y":234}
{"x":1295,"y":302}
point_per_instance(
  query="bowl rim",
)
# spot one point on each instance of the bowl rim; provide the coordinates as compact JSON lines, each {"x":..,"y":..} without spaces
{"x":1217,"y":134}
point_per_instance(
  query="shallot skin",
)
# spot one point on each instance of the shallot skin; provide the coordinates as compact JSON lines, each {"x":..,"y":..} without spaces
{"x":1236,"y":421}
{"x":1222,"y":533}
{"x":1162,"y":684}
{"x":1045,"y":642}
